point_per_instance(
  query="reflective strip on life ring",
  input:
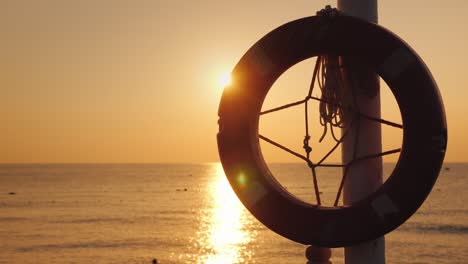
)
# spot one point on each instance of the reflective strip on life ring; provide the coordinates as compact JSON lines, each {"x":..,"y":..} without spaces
{"x":424,"y":133}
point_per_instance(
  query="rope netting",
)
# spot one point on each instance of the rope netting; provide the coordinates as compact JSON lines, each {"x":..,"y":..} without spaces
{"x":338,"y":109}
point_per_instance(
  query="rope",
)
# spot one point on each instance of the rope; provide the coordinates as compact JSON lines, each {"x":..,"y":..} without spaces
{"x":336,"y":102}
{"x":334,"y":95}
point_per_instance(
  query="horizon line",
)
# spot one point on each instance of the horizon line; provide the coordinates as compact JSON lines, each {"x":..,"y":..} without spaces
{"x":162,"y":163}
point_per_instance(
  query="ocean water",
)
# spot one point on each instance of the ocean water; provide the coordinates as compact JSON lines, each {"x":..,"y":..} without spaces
{"x":189,"y":214}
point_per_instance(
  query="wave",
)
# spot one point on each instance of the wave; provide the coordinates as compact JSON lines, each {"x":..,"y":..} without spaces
{"x":93,"y":220}
{"x":435,"y":228}
{"x":99,"y":244}
{"x":448,"y":212}
{"x":12,"y":219}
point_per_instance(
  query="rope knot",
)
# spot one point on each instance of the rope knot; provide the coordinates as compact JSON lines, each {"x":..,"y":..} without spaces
{"x":328,"y":11}
{"x":306,"y":146}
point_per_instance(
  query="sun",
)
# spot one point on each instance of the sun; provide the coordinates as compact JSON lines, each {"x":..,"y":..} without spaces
{"x":224,"y":80}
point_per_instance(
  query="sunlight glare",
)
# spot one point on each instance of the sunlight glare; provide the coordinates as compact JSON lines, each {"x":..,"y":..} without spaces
{"x":226,"y":234}
{"x":224,"y":80}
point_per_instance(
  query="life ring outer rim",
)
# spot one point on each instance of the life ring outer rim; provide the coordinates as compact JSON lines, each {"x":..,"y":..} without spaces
{"x":399,"y":197}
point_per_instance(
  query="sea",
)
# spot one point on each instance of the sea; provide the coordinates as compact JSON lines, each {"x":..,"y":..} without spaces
{"x":187,"y":213}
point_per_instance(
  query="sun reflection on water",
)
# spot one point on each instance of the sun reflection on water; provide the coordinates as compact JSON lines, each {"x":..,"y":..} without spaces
{"x":226,"y":235}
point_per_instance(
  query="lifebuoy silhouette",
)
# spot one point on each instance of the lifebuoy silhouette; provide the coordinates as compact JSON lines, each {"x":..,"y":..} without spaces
{"x":424,"y":131}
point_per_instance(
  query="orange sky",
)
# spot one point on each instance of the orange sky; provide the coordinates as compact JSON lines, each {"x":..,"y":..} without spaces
{"x":136,"y":81}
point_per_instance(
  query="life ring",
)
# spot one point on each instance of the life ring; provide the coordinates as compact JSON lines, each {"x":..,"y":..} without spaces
{"x":424,"y":133}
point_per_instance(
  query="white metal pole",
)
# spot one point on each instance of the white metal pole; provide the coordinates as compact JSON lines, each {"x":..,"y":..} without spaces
{"x":364,"y":177}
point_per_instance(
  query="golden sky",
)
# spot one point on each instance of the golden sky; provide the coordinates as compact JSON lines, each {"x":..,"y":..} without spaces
{"x":137,"y":81}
